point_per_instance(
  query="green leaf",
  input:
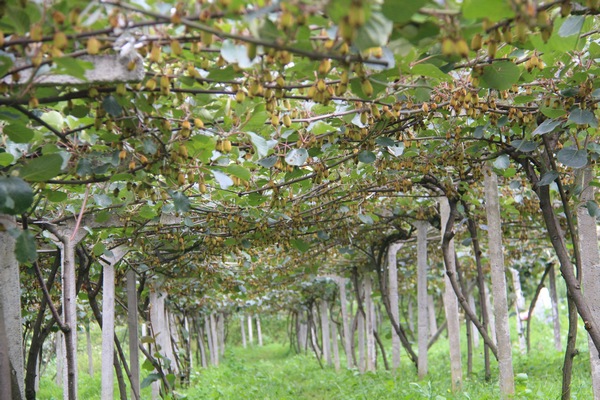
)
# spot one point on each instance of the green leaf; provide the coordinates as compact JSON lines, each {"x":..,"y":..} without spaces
{"x":171,"y":379}
{"x":582,"y":117}
{"x":223,"y":179}
{"x":323,"y":235}
{"x":102,"y":200}
{"x":16,"y":195}
{"x":111,"y":106}
{"x":502,"y":162}
{"x":552,"y":112}
{"x":366,"y":157}
{"x":338,"y":9}
{"x":236,"y":54}
{"x":147,"y":340}
{"x":430,"y":70}
{"x":385,"y":141}
{"x":42,"y":168}
{"x":54,"y":119}
{"x":572,"y":157}
{"x":396,"y":150}
{"x":18,"y":133}
{"x":479,"y":132}
{"x":19,"y":19}
{"x":147,"y":364}
{"x":223,"y":74}
{"x":365,"y":219}
{"x":356,"y":87}
{"x":300,"y":244}
{"x":500,"y":75}
{"x":239,"y":171}
{"x":296,"y":157}
{"x":72,"y":66}
{"x":268,"y":162}
{"x":390,"y":9}
{"x":571,"y":26}
{"x":270,"y":32}
{"x":261,"y":145}
{"x":521,"y":377}
{"x":25,"y":250}
{"x":593,"y":148}
{"x":102,"y":216}
{"x":6,"y":159}
{"x":98,"y":249}
{"x":147,"y":212}
{"x":374,"y":33}
{"x":494,"y":10}
{"x":180,"y":201}
{"x":5,"y":65}
{"x":593,"y":208}
{"x":526,"y":146}
{"x":149,"y":380}
{"x":547,"y":126}
{"x":548,"y":178}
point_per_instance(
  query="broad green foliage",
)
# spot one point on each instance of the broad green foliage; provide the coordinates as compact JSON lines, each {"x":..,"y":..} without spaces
{"x":267,"y":142}
{"x":15,"y":195}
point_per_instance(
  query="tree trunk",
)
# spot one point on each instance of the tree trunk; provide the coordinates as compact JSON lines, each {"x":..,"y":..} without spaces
{"x":489,"y":305}
{"x":243,"y":330}
{"x":519,"y":308}
{"x":313,"y":337}
{"x":259,"y":336}
{"x":70,"y":315}
{"x":120,"y":379}
{"x":432,"y":318}
{"x":67,"y":237}
{"x":554,"y":306}
{"x":209,"y":339}
{"x":496,"y":256}
{"x":334,"y":345}
{"x":59,"y":344}
{"x":41,"y":330}
{"x":10,"y":292}
{"x":590,"y":260}
{"x":450,"y":302}
{"x":483,"y":300}
{"x":5,"y":364}
{"x":369,"y":323}
{"x":132,"y":325}
{"x":471,"y":299}
{"x":345,"y":321}
{"x":325,"y":333}
{"x":200,"y":335}
{"x":220,"y":317}
{"x":187,"y":337}
{"x":451,"y":272}
{"x":392,"y":250}
{"x":558,"y":243}
{"x":108,"y":320}
{"x":173,"y":341}
{"x":360,"y":327}
{"x":302,"y":333}
{"x":571,"y":351}
{"x":215,"y":338}
{"x":422,"y":320}
{"x":250,"y":330}
{"x":158,"y":330}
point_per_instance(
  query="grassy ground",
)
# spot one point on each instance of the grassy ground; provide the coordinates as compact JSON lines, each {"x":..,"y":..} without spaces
{"x":273,"y":372}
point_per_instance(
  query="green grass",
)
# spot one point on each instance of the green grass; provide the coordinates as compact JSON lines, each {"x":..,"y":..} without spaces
{"x":273,"y":372}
